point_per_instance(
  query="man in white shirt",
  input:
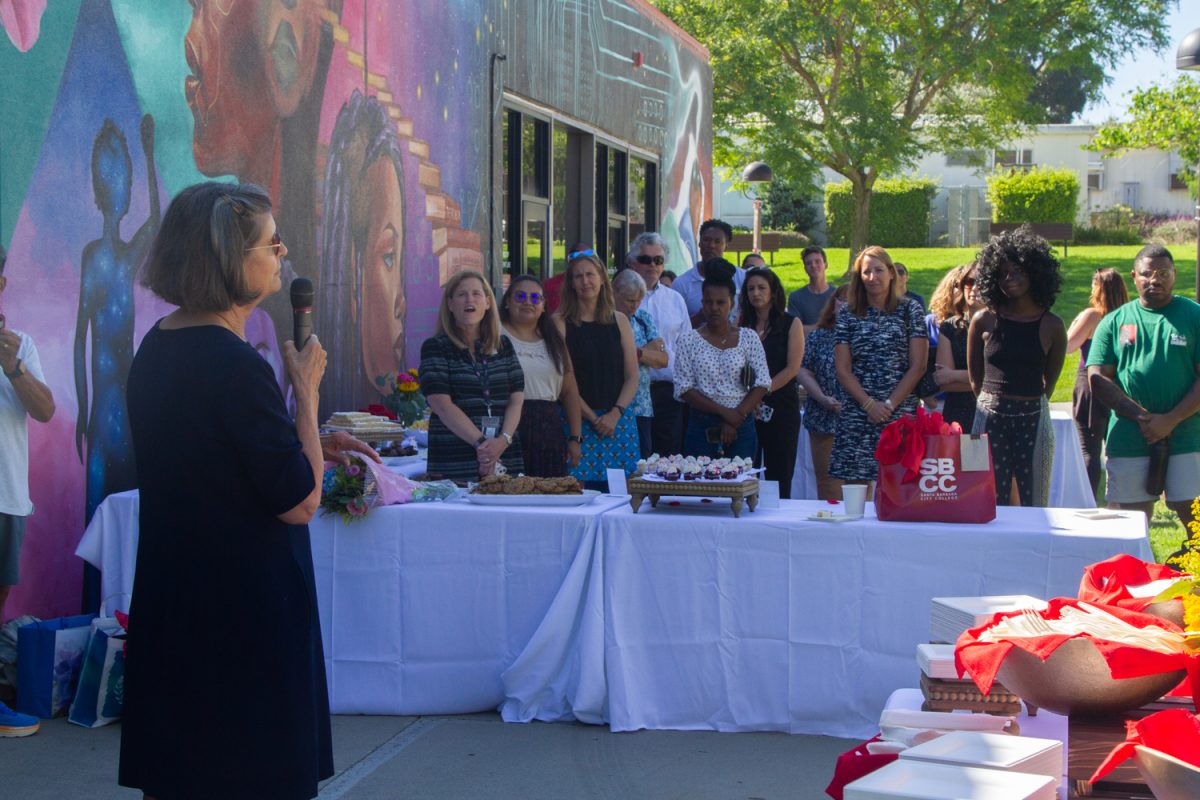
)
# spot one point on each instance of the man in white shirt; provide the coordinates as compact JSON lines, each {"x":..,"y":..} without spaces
{"x":23,"y":394}
{"x":647,"y":256}
{"x":715,"y":236}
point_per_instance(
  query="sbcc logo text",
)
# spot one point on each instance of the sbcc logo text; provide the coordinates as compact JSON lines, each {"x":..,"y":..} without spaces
{"x":937,"y":475}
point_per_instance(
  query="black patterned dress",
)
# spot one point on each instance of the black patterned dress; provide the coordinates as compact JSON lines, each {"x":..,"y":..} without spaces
{"x":878,"y":344}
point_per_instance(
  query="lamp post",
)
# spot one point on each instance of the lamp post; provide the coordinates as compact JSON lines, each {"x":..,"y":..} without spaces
{"x":1187,"y":57}
{"x":757,"y":172}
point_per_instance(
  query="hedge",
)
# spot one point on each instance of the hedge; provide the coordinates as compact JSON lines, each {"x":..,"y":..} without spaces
{"x":899,"y":216}
{"x":1036,"y":195}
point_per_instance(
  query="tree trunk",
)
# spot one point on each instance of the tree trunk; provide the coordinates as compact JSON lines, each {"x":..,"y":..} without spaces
{"x":860,"y":227}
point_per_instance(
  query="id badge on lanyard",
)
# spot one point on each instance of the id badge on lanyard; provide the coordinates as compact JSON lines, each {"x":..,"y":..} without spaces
{"x":488,"y":423}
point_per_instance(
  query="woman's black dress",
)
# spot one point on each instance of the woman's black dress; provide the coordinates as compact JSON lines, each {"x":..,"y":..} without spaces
{"x":959,"y":406}
{"x":225,"y":692}
{"x":779,"y":438}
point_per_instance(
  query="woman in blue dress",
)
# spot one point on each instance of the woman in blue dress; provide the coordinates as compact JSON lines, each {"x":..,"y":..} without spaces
{"x":880,"y":349}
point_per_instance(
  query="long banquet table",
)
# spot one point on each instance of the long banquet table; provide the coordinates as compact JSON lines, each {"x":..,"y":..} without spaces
{"x":677,"y":617}
{"x":775,"y":622}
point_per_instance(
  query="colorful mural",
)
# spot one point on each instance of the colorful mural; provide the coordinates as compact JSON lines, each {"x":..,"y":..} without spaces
{"x":369,"y":123}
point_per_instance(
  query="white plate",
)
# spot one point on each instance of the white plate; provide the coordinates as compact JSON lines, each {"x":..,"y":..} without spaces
{"x":1100,"y":513}
{"x":835,"y":518}
{"x":533,"y":499}
{"x":992,"y":750}
{"x":914,"y":779}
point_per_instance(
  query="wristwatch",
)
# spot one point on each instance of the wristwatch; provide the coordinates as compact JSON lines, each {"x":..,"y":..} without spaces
{"x":507,"y":436}
{"x":576,"y":439}
{"x":17,"y":371}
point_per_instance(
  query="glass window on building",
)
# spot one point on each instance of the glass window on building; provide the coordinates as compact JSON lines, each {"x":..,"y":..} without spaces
{"x":559,"y":201}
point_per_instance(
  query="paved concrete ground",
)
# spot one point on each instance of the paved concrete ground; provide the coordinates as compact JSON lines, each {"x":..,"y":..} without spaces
{"x":474,"y":756}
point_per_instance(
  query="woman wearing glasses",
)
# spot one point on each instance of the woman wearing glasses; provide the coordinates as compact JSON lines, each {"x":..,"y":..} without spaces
{"x":950,"y":369}
{"x":1091,"y":418}
{"x":604,"y":357}
{"x":1015,"y":350}
{"x":474,"y":384}
{"x":628,"y":291}
{"x":223,"y":521}
{"x":550,"y":391}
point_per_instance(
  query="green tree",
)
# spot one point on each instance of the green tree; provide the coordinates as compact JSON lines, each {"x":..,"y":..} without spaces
{"x":1167,"y":118}
{"x":788,"y":207}
{"x":865,"y":88}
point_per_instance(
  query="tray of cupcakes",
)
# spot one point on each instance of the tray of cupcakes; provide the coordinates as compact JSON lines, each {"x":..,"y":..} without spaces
{"x":695,"y":476}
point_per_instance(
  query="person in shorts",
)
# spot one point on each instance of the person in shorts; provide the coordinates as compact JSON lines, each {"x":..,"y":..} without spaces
{"x":1144,"y":364}
{"x":23,"y":394}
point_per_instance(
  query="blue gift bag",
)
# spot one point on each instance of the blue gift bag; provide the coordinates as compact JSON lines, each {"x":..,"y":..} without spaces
{"x":100,"y":696}
{"x":49,"y":657}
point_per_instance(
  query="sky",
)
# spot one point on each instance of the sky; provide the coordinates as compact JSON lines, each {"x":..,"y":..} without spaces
{"x":1145,"y":67}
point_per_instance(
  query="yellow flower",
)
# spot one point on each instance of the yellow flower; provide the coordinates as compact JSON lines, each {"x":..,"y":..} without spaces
{"x":409,"y":386}
{"x":415,"y":374}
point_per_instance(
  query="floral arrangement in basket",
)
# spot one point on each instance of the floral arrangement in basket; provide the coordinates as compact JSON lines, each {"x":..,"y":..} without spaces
{"x":402,"y":395}
{"x":1187,"y":560}
{"x":348,"y":490}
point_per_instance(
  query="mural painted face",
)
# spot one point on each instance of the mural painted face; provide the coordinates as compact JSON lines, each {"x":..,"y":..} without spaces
{"x":383,"y":299}
{"x":290,"y":39}
{"x":226,"y":91}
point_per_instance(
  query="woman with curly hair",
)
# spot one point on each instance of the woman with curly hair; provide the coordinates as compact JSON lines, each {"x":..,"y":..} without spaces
{"x":1091,"y":417}
{"x":1015,"y":350}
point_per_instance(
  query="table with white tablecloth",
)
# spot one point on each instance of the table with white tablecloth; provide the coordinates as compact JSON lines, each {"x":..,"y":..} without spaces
{"x":776,"y":622}
{"x":422,"y":606}
{"x":1069,"y":487}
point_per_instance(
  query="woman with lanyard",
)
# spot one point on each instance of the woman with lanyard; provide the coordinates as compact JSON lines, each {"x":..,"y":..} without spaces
{"x":474,"y":384}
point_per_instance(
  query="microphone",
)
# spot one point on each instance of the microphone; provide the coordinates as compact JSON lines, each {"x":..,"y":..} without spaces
{"x":302,"y":300}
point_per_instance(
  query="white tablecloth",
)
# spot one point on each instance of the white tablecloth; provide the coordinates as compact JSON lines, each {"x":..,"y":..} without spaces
{"x":1069,"y":487}
{"x":422,"y":606}
{"x":773,"y":622}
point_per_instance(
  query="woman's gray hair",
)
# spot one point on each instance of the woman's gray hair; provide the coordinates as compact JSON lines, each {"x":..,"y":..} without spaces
{"x":651,"y":239}
{"x":628,"y":280}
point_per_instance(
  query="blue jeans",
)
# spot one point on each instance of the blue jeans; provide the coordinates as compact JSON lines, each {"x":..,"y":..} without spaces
{"x":695,"y":441}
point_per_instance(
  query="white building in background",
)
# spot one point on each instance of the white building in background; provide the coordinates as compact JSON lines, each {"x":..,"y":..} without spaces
{"x":1145,"y":180}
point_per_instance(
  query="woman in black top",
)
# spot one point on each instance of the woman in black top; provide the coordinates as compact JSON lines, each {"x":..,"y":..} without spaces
{"x":782,"y":335}
{"x":950,"y":371}
{"x":1015,"y":350}
{"x":1091,"y":418}
{"x":602,"y":351}
{"x":224,"y":564}
{"x":473,"y":381}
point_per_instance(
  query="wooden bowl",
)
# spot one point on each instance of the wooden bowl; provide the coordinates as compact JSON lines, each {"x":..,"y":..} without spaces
{"x":1075,"y":680}
{"x":1171,"y":610}
{"x":1167,"y":776}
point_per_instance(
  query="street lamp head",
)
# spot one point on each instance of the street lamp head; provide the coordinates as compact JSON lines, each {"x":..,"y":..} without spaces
{"x":757,"y":172}
{"x":1188,"y":54}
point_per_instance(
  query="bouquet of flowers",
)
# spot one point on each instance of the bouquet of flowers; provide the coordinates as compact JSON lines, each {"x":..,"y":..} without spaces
{"x":348,"y":490}
{"x":402,"y":395}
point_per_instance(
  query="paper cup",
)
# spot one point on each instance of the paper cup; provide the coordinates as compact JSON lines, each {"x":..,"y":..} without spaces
{"x":854,"y":499}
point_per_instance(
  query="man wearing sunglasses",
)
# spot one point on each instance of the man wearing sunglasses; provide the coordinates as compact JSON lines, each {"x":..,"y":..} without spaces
{"x":648,"y":256}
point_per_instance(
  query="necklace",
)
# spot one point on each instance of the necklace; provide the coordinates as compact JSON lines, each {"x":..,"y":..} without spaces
{"x":712,"y":335}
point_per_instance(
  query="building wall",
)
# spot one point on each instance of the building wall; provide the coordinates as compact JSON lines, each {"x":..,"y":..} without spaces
{"x":109,"y":103}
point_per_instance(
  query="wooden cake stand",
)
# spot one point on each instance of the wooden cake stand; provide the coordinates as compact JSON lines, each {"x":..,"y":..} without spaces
{"x":742,"y":492}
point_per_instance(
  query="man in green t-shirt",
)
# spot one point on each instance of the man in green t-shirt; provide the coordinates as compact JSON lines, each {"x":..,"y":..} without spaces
{"x":1144,"y":364}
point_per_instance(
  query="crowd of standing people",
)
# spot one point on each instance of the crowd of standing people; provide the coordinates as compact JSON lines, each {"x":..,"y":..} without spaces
{"x":721,"y":360}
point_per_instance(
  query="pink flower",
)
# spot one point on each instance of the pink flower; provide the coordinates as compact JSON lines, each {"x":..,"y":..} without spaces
{"x":356,"y":507}
{"x":353,"y":470}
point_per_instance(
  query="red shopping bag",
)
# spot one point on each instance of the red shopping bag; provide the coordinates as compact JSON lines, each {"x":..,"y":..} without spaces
{"x":929,"y":471}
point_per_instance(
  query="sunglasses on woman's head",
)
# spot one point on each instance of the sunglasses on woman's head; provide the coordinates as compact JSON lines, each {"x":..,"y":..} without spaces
{"x":574,"y":254}
{"x":532,"y":298}
{"x":657,"y":261}
{"x":275,"y":244}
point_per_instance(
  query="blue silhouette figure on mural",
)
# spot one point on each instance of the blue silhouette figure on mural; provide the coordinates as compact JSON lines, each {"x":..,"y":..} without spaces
{"x":106,"y":277}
